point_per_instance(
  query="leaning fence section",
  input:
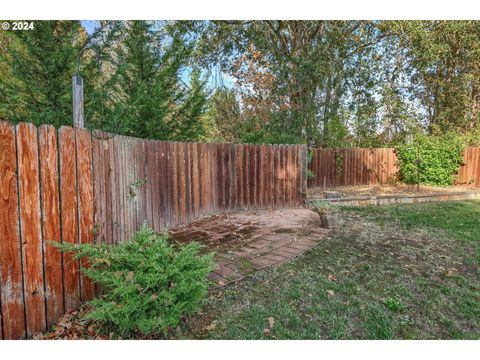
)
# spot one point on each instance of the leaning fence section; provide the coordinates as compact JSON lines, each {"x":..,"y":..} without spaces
{"x":71,"y":185}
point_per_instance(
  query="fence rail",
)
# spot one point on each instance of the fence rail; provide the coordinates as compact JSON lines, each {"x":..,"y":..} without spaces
{"x":70,"y":186}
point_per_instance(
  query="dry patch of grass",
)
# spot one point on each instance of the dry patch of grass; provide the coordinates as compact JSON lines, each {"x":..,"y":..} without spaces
{"x":400,"y":189}
{"x":391,"y":272}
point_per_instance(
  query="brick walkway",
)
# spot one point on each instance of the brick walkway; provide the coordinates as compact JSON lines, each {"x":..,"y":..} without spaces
{"x":274,"y":237}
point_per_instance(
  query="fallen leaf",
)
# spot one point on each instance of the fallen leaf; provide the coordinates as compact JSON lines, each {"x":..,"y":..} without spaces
{"x":130,"y":276}
{"x":271,"y":321}
{"x":332,"y":277}
{"x":330,"y":293}
{"x":451,"y":272}
{"x":65,"y":324}
{"x":91,"y":329}
{"x":37,"y":336}
{"x":212,"y":326}
{"x":59,"y":328}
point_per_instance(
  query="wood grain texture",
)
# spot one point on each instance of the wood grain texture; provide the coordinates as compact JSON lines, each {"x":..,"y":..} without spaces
{"x":246,"y":178}
{"x":50,"y":200}
{"x":150,"y":181}
{"x":109,"y":196}
{"x":98,"y":184}
{"x":11,"y":285}
{"x":162,"y":183}
{"x":142,"y":181}
{"x":182,"y":189}
{"x":252,"y":161}
{"x":116,"y":191}
{"x":201,"y":180}
{"x":227,"y":175}
{"x":188,"y":181}
{"x":69,"y":215}
{"x":30,"y":227}
{"x":85,"y":203}
{"x":270,"y":177}
{"x":196,"y":179}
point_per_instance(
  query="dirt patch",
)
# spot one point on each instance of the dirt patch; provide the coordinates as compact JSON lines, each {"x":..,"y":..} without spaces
{"x":375,"y":190}
{"x":216,"y":233}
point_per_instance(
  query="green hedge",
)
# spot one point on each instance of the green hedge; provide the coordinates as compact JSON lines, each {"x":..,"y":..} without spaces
{"x":441,"y":158}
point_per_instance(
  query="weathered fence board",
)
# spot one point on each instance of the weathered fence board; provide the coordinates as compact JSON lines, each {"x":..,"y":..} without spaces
{"x":85,"y":203}
{"x":50,"y":200}
{"x":69,"y":216}
{"x":30,"y":227}
{"x":11,"y":286}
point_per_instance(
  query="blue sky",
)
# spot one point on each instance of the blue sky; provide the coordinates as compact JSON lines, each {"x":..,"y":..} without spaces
{"x":215,"y":78}
{"x":89,"y":25}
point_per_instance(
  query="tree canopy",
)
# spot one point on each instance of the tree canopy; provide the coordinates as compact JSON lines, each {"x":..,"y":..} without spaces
{"x":323,"y":83}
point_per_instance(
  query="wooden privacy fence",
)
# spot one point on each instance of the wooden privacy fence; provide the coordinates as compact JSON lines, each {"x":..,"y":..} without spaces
{"x":46,"y":193}
{"x":70,"y":186}
{"x":469,"y":173}
{"x":354,"y":166}
{"x":375,"y":166}
{"x":172,"y":183}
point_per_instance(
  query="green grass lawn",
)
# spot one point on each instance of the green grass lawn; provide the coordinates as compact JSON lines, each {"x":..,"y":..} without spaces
{"x":388,"y":272}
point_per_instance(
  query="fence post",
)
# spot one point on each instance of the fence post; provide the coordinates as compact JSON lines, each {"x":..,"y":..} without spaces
{"x":77,"y":95}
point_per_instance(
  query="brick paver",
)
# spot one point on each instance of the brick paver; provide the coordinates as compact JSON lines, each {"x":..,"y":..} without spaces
{"x":277,"y":242}
{"x":247,"y":241}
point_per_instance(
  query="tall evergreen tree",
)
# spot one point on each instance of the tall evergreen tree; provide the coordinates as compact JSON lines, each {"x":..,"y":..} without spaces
{"x":148,"y":98}
{"x":38,"y":66}
{"x":190,"y":117}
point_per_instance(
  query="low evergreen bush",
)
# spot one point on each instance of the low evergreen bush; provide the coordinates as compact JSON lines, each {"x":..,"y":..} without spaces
{"x":149,"y":285}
